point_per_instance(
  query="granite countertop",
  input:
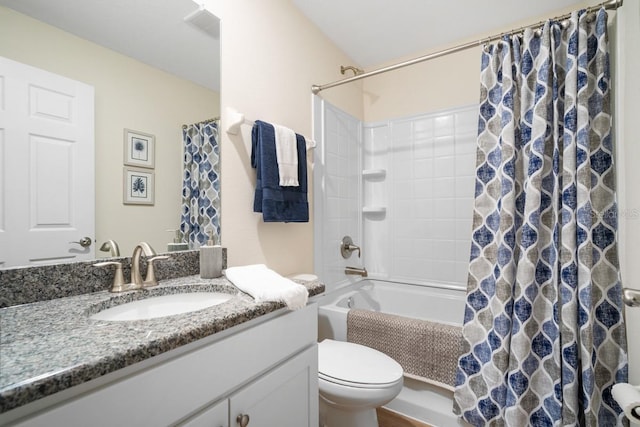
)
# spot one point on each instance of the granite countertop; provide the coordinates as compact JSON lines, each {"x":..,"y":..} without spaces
{"x":50,"y":346}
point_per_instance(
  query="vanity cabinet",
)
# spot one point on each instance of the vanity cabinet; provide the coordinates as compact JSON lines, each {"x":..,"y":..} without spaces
{"x":265,"y":368}
{"x":278,"y":398}
{"x":216,"y":415}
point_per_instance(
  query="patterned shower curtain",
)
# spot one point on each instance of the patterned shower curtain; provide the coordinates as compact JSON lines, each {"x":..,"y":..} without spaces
{"x":200,"y":184}
{"x":544,"y":336}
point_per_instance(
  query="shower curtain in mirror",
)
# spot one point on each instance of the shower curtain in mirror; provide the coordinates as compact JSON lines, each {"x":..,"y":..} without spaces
{"x":544,"y":337}
{"x":200,"y":184}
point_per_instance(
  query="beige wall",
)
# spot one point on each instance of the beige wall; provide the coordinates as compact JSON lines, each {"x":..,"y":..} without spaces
{"x":438,"y":84}
{"x":271,"y":55}
{"x":128,"y":94}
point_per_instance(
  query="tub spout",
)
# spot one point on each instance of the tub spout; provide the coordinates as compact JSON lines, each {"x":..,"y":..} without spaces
{"x":356,"y":270}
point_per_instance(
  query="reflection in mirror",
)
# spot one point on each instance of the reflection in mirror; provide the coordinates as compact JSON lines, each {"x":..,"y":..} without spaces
{"x":150,"y":72}
{"x":200,"y":218}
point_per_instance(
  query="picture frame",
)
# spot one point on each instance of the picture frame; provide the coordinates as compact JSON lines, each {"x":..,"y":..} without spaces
{"x":139,"y":186}
{"x":139,"y":149}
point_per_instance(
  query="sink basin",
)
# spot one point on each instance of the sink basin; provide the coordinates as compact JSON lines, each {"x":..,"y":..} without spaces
{"x":161,"y":306}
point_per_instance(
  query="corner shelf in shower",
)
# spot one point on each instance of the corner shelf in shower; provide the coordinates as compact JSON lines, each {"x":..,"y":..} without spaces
{"x":374,"y":209}
{"x":374,"y":173}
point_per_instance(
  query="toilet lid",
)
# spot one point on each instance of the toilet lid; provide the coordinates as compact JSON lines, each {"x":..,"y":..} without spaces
{"x":355,"y":363}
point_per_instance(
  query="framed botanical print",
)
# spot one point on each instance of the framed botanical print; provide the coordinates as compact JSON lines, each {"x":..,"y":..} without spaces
{"x":139,"y":149}
{"x":139,"y":186}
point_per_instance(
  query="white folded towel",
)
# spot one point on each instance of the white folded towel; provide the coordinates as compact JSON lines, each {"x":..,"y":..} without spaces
{"x":286,"y":156}
{"x":264,"y":284}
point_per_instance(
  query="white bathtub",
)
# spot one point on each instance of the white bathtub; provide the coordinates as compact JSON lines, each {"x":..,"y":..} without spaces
{"x":419,"y":400}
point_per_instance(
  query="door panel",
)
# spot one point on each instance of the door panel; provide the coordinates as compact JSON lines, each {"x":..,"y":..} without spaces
{"x":47,"y":184}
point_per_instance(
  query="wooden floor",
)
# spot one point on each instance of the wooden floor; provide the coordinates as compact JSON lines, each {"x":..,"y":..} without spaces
{"x":388,"y":418}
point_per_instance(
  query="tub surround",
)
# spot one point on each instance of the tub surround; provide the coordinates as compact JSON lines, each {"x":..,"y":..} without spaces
{"x":50,"y":346}
{"x":433,"y":302}
{"x":24,"y":285}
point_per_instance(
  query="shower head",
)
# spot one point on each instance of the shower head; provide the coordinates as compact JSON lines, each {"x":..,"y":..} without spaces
{"x":356,"y":70}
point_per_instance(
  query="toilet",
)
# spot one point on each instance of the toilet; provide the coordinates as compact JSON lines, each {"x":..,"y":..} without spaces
{"x":354,"y":380}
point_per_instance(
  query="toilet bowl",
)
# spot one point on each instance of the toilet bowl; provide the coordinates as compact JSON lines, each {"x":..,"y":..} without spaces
{"x":353,"y":380}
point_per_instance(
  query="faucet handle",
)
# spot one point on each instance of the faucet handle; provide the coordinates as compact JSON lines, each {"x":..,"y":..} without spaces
{"x":352,"y":248}
{"x":347,"y":247}
{"x":118,"y":280}
{"x":150,"y":278}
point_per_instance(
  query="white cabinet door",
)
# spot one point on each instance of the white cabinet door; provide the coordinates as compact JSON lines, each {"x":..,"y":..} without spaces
{"x":47,"y":182}
{"x":213,"y":416}
{"x":285,"y":397}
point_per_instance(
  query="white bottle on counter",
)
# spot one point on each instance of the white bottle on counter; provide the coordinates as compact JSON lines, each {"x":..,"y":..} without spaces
{"x":210,"y":259}
{"x":178,"y":244}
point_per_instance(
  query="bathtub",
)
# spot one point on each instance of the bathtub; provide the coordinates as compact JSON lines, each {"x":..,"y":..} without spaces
{"x":439,"y":303}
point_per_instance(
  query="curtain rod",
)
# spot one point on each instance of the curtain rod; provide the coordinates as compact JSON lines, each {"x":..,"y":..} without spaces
{"x":204,"y":121}
{"x":609,"y":5}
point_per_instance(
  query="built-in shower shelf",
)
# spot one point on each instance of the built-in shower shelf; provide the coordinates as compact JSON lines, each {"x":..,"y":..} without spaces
{"x":374,"y":173}
{"x":374,"y":209}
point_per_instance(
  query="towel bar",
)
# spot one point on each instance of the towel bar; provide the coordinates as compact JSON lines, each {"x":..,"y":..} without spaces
{"x":631,"y":297}
{"x":234,"y":119}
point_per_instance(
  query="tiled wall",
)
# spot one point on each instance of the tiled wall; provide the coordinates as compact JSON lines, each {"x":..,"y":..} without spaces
{"x":416,"y":180}
{"x":336,"y":188}
{"x":429,"y":159}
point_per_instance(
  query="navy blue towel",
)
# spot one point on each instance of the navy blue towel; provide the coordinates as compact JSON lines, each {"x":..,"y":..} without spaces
{"x":277,"y":204}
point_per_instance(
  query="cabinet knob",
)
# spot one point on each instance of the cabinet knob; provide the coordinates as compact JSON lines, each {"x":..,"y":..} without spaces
{"x":243,"y":420}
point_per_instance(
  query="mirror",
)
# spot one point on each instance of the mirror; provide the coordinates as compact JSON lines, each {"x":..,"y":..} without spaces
{"x":152,"y":71}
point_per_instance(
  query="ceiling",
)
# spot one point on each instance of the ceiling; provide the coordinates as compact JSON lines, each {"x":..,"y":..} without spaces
{"x":370,"y":32}
{"x":152,"y":31}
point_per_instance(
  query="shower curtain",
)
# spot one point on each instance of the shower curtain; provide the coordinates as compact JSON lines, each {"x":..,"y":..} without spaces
{"x":544,"y":337}
{"x":201,"y":184}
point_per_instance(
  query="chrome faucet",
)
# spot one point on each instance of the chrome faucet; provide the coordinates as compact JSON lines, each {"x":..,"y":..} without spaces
{"x":136,"y":276}
{"x":150,"y":278}
{"x":356,"y":271}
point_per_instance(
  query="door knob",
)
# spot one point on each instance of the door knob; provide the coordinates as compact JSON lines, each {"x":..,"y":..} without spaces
{"x":85,"y":242}
{"x":243,"y":420}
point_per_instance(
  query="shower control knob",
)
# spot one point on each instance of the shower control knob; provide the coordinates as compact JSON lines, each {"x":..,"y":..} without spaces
{"x":85,"y":242}
{"x":243,"y":420}
{"x":347,"y":247}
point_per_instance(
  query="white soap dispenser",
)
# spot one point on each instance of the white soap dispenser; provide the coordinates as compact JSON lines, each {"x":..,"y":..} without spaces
{"x":210,"y":259}
{"x":178,"y":244}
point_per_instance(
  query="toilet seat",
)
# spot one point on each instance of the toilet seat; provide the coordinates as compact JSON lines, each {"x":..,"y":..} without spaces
{"x":357,"y":366}
{"x":353,"y":384}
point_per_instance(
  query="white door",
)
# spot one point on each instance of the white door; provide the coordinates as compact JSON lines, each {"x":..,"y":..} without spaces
{"x":47,"y":179}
